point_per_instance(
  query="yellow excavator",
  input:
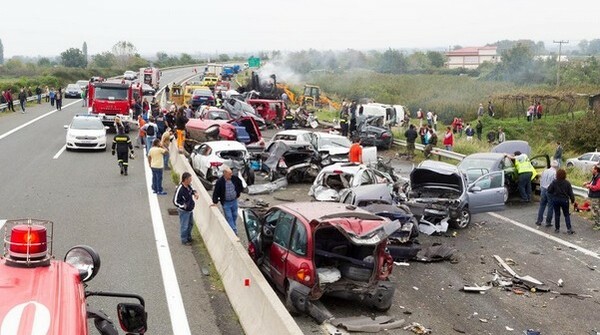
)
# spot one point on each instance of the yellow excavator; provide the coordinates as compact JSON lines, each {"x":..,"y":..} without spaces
{"x":311,"y":96}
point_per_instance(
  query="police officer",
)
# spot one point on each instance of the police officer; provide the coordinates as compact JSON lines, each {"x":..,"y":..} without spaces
{"x":344,"y":122}
{"x":526,"y":173}
{"x":121,"y":143}
{"x":288,"y":121}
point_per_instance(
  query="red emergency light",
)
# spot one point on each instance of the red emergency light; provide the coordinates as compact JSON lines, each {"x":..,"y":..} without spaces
{"x":28,"y":242}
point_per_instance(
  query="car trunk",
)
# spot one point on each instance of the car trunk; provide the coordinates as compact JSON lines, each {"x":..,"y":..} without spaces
{"x":247,"y":130}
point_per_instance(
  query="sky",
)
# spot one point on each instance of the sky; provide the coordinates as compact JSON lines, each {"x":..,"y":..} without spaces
{"x":47,"y":28}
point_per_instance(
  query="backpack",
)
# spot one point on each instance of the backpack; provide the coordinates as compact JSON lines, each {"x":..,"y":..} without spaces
{"x":150,"y":131}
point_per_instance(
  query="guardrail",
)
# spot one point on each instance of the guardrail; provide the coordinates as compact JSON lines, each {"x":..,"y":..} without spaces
{"x":29,"y":99}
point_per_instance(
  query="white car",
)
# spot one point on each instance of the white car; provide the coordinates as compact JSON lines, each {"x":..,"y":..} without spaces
{"x":86,"y":132}
{"x":585,"y":161}
{"x":207,"y":160}
{"x":292,"y":137}
{"x":129,"y":75}
{"x":332,"y":148}
{"x":334,"y":179}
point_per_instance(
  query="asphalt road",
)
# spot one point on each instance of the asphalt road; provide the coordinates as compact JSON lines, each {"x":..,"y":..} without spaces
{"x":91,"y":203}
{"x":430,"y":293}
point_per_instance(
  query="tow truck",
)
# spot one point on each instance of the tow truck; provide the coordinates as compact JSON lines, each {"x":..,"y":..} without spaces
{"x":43,"y":295}
{"x":109,"y":99}
{"x":150,"y":76}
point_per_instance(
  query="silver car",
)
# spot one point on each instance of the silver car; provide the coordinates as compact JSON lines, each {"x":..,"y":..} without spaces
{"x":585,"y":161}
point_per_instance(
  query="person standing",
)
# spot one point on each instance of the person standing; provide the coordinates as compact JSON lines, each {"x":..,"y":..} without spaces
{"x":47,"y":92}
{"x":448,"y":139}
{"x":122,"y":145}
{"x":38,"y":92}
{"x":355,"y":152}
{"x":561,"y":192}
{"x":180,"y":122}
{"x":490,"y":107}
{"x":157,"y":164}
{"x":548,"y":176}
{"x":288,"y":122}
{"x":526,"y":173}
{"x":420,"y":117}
{"x":480,"y":111}
{"x":151,"y":130}
{"x":23,"y":100}
{"x":352,"y":117}
{"x":501,"y":135}
{"x":469,"y":132}
{"x":227,"y":190}
{"x":84,"y":96}
{"x":52,"y":96}
{"x":165,"y":142}
{"x":431,"y":140}
{"x":435,"y":118}
{"x":9,"y":100}
{"x":593,"y":187}
{"x":479,"y":129}
{"x":411,"y":136}
{"x":167,"y":91}
{"x":183,"y":199}
{"x":558,"y":154}
{"x":430,"y":119}
{"x":59,"y":97}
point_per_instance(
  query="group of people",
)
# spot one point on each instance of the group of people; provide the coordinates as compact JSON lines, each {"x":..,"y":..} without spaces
{"x":352,"y":118}
{"x":534,"y":111}
{"x":52,"y":96}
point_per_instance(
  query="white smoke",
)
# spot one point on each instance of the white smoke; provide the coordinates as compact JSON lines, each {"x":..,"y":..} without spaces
{"x":278,"y":66}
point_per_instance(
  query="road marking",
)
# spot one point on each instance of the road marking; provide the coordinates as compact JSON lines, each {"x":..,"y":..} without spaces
{"x":548,"y":236}
{"x":2,"y":223}
{"x":179,"y":321}
{"x":10,"y":132}
{"x":60,"y":152}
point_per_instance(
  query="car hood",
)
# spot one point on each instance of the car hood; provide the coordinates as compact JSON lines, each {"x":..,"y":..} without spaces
{"x":86,"y":132}
{"x":363,"y":231}
{"x":425,"y":176}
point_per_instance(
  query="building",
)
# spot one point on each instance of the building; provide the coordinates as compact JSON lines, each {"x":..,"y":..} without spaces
{"x":471,"y":57}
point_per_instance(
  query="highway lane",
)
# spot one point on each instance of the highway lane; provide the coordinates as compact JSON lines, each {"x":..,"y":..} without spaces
{"x":91,"y":203}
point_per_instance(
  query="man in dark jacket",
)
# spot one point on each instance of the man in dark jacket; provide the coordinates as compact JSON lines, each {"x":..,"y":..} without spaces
{"x":411,"y":136}
{"x":184,"y":201}
{"x":23,"y":100}
{"x":227,"y":190}
{"x":122,"y":144}
{"x":561,"y":191}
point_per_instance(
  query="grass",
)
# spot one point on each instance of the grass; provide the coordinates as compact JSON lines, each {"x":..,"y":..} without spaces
{"x":174,"y":176}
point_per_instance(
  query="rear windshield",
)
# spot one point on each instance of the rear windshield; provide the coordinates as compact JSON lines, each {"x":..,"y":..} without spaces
{"x":232,"y":154}
{"x":202,"y":92}
{"x":110,"y":93}
{"x":334,"y":142}
{"x":284,"y":137}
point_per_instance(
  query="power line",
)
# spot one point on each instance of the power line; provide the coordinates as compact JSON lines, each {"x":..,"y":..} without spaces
{"x":560,"y":43}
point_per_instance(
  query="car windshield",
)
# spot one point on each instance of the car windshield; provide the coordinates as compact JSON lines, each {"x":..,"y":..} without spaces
{"x":218,"y":115}
{"x":72,"y":87}
{"x":87,"y":124}
{"x":110,"y":93}
{"x":477,"y":167}
{"x":202,"y":92}
{"x":334,"y":142}
{"x":338,"y":181}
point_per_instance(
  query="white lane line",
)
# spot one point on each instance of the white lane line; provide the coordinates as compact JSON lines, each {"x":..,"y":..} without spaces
{"x":179,"y":321}
{"x":10,"y":132}
{"x":548,"y":236}
{"x":2,"y":223}
{"x":60,"y":152}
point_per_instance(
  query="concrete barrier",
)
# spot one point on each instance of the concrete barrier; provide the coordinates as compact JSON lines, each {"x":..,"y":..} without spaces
{"x":259,"y":309}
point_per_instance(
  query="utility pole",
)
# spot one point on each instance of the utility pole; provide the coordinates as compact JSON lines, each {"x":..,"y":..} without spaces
{"x":560,"y":43}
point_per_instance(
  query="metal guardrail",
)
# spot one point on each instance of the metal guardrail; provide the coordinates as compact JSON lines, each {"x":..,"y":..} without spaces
{"x":29,"y":99}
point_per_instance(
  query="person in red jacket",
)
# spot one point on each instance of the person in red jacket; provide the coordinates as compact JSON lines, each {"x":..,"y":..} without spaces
{"x":448,"y":139}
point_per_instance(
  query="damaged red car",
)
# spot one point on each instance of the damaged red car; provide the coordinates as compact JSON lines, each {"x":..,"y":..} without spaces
{"x":309,"y":249}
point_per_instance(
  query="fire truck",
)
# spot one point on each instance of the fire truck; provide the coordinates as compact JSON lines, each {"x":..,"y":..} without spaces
{"x":109,"y":99}
{"x":43,"y":295}
{"x":150,"y":76}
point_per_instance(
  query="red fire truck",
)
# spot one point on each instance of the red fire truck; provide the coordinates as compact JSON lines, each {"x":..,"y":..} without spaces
{"x":150,"y":76}
{"x":42,"y":295}
{"x":108,"y":99}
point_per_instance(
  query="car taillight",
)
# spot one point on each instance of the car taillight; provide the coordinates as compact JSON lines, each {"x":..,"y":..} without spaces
{"x":216,"y":164}
{"x":28,"y":241}
{"x":338,"y":171}
{"x":385,"y":135}
{"x":211,"y":98}
{"x":282,"y":163}
{"x":304,"y":273}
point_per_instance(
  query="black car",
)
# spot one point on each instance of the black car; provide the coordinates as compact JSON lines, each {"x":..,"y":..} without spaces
{"x":373,"y":133}
{"x":73,"y":91}
{"x":202,"y":97}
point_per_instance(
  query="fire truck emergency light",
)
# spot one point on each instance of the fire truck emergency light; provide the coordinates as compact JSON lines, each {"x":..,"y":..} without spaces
{"x":28,"y":241}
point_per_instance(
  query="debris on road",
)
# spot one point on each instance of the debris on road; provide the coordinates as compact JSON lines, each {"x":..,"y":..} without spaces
{"x":253,"y":203}
{"x":368,"y":325}
{"x":268,"y":187}
{"x":435,"y":253}
{"x":417,"y":328}
{"x":476,"y":288}
{"x":532,"y":332}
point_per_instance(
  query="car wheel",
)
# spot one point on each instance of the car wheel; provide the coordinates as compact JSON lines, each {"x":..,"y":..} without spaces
{"x":355,"y":273}
{"x":506,"y":193}
{"x":250,"y":177}
{"x":294,"y":177}
{"x":570,"y":165}
{"x":464,"y":219}
{"x":288,"y":301}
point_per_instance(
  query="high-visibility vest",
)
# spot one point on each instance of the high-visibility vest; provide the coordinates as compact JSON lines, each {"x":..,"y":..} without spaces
{"x":524,"y":167}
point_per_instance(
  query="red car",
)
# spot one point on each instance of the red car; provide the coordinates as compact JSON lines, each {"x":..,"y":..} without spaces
{"x":42,"y":295}
{"x":311,"y":249}
{"x":272,"y":111}
{"x":243,"y":130}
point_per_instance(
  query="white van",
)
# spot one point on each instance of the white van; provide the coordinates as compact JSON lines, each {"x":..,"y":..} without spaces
{"x":391,"y":115}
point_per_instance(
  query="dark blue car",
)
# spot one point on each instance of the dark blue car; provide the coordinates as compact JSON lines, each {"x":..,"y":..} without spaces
{"x":202,"y":97}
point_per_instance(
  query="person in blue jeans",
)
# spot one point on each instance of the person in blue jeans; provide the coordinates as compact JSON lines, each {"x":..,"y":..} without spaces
{"x":561,"y":192}
{"x":156,"y":162}
{"x":548,"y":176}
{"x":151,"y":130}
{"x":184,"y":201}
{"x":227,"y":190}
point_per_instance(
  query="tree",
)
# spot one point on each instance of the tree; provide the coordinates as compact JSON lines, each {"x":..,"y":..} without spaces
{"x":1,"y":52}
{"x":594,"y":47}
{"x":44,"y":62}
{"x":104,"y":60}
{"x":224,"y":58}
{"x":185,"y":59}
{"x":85,"y":52}
{"x":124,"y":51}
{"x":73,"y":57}
{"x":392,"y":61}
{"x":583,"y":46}
{"x":437,"y":59}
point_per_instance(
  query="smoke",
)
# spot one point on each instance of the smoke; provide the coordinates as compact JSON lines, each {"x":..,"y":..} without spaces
{"x":279,"y":66}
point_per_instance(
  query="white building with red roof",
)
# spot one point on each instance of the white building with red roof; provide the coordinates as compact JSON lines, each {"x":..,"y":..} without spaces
{"x":471,"y":57}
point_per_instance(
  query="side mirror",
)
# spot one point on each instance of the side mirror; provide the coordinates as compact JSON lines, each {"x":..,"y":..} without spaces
{"x":475,"y":189}
{"x":132,"y":317}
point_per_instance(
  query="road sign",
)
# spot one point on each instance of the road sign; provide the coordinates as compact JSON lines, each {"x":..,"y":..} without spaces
{"x":253,"y":62}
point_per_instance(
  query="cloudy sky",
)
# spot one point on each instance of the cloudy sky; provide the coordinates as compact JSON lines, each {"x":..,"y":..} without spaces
{"x":51,"y":27}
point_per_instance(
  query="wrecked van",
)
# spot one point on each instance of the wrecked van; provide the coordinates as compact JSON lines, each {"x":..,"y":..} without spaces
{"x":309,"y":249}
{"x":440,"y":196}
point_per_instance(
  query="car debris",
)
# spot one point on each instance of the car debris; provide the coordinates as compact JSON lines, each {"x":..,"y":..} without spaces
{"x":417,"y":328}
{"x":366,"y":324}
{"x":268,"y":187}
{"x":528,"y":280}
{"x":435,"y":253}
{"x":476,"y":288}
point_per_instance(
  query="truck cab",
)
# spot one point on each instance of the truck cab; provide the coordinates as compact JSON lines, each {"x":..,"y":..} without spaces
{"x":150,"y":76}
{"x":43,"y":295}
{"x":109,"y":99}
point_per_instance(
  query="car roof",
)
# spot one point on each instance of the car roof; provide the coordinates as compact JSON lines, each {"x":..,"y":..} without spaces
{"x":317,"y":210}
{"x":292,"y":132}
{"x":226,"y":145}
{"x":352,"y":168}
{"x":486,"y":155}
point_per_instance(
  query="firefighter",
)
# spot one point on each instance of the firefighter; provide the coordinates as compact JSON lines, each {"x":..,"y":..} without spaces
{"x":121,"y":143}
{"x":344,"y":122}
{"x":288,"y":121}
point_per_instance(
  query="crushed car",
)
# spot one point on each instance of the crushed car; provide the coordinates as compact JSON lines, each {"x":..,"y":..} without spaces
{"x":244,"y":130}
{"x":373,"y":133}
{"x":308,"y":250}
{"x":296,"y":162}
{"x":209,"y":158}
{"x":337,"y":177}
{"x":441,"y":196}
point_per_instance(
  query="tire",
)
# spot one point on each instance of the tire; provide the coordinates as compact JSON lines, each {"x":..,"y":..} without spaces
{"x":506,"y":193}
{"x":289,"y":305}
{"x":250,"y":177}
{"x":355,"y":273}
{"x":464,"y":219}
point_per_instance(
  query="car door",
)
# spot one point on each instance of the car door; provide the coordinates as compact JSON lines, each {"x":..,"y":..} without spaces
{"x":278,"y":253}
{"x":299,"y":258}
{"x":487,"y":193}
{"x":200,"y":160}
{"x":254,"y":225}
{"x":584,"y":161}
